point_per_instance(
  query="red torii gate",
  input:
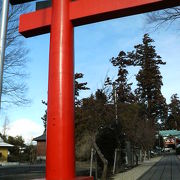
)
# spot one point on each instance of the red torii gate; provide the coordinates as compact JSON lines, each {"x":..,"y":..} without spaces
{"x":61,"y":19}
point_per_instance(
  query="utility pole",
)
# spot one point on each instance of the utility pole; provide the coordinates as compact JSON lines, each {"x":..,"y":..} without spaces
{"x":115,"y":102}
{"x":3,"y":32}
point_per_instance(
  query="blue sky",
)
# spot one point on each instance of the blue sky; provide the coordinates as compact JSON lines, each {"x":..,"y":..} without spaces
{"x":95,"y":44}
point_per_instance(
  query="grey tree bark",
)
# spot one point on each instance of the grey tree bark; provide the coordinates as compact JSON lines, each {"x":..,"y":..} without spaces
{"x":103,"y":159}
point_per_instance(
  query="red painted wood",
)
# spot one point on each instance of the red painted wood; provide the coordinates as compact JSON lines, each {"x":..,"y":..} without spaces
{"x":35,"y":23}
{"x":60,"y":158}
{"x":89,"y":11}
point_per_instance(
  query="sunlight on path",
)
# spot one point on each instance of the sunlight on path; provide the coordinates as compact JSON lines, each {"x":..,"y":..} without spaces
{"x":138,"y":171}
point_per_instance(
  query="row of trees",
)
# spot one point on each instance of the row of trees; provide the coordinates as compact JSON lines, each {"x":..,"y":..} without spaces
{"x":20,"y":152}
{"x":140,"y":112}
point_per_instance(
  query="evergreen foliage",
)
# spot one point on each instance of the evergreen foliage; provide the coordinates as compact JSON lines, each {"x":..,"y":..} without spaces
{"x":20,"y":152}
{"x":121,"y":113}
{"x":123,"y":88}
{"x":78,"y":86}
{"x":173,"y":121}
{"x":149,"y":79}
{"x":138,"y":114}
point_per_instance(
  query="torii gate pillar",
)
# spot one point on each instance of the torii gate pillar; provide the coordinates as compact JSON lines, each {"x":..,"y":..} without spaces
{"x":60,"y":114}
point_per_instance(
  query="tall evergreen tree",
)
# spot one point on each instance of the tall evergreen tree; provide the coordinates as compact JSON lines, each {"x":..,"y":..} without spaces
{"x":123,"y":88}
{"x":79,"y":86}
{"x":130,"y":112}
{"x":149,"y":79}
{"x":173,"y":121}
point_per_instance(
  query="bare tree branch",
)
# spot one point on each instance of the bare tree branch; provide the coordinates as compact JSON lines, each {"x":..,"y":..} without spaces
{"x":15,"y":72}
{"x":164,"y":17}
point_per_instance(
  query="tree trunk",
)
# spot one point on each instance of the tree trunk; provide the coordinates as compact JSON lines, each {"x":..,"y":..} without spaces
{"x":105,"y":162}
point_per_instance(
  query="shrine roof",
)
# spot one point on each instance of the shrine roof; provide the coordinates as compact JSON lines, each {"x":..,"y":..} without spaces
{"x":166,"y":133}
{"x":3,"y":144}
{"x":40,"y":138}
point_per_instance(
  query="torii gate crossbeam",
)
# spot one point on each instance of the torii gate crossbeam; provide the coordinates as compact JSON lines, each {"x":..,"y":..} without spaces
{"x":61,"y":19}
{"x":89,"y":11}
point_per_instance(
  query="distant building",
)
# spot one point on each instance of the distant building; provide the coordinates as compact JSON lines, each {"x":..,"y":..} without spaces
{"x":4,"y":150}
{"x":170,"y":137}
{"x":41,"y":146}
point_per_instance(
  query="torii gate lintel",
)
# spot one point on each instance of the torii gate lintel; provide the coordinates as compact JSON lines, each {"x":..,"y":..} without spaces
{"x":90,"y":11}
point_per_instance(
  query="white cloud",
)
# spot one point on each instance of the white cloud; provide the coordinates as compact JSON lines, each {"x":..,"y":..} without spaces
{"x":26,"y":128}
